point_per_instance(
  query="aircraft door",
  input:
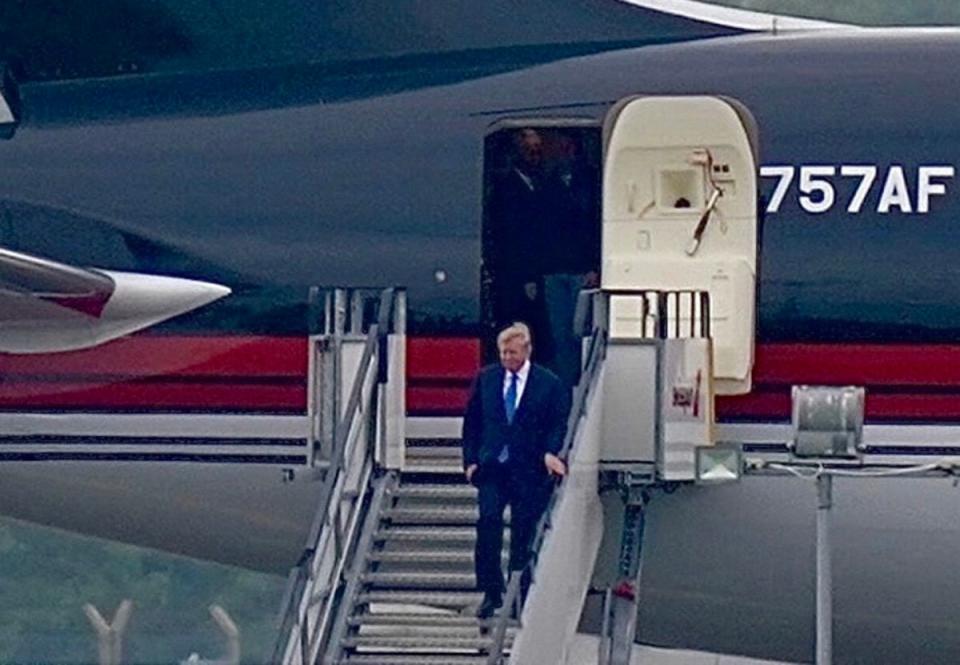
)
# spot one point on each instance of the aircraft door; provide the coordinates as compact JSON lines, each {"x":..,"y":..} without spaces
{"x":680,"y":212}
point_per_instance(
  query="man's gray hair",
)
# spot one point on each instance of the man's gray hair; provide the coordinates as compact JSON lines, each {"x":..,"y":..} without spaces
{"x":516,"y":330}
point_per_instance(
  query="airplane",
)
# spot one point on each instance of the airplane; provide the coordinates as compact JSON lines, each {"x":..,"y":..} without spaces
{"x":271,"y":165}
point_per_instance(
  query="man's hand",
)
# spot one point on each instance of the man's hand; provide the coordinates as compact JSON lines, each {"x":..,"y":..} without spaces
{"x":470,"y":471}
{"x":530,"y":290}
{"x":554,"y":465}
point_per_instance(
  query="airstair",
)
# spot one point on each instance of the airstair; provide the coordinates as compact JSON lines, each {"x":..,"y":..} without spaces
{"x":414,"y":598}
{"x":386,"y":574}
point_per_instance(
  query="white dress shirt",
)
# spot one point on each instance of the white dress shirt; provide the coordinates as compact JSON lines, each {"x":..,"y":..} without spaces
{"x":522,"y":375}
{"x":527,"y":180}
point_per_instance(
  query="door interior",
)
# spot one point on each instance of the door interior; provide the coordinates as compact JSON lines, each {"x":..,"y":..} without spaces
{"x":680,"y":210}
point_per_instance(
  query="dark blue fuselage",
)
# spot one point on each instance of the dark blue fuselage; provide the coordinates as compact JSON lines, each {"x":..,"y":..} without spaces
{"x":270,"y":189}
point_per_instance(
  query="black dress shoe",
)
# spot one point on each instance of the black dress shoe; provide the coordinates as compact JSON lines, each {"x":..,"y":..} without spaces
{"x":489,"y":606}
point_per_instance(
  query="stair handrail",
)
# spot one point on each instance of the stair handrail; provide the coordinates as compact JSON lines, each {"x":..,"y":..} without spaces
{"x":512,"y":601}
{"x":375,"y":349}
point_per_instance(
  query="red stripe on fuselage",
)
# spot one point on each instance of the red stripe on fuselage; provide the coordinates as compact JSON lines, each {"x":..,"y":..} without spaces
{"x":262,"y":373}
{"x":174,"y":356}
{"x":903,"y":382}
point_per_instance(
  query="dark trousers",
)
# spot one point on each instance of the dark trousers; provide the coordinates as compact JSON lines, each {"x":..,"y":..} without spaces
{"x":500,"y":486}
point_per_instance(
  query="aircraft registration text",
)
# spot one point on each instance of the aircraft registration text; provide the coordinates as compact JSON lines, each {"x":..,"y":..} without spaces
{"x":816,"y":190}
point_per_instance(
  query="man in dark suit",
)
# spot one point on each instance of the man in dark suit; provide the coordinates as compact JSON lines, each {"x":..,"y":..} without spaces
{"x":513,"y":431}
{"x":520,"y":209}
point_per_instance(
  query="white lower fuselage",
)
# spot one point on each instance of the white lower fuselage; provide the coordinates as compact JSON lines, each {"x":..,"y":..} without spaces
{"x":727,"y":569}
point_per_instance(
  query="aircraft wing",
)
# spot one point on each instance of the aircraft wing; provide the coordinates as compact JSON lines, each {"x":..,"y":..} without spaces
{"x":47,"y":306}
{"x":192,"y":58}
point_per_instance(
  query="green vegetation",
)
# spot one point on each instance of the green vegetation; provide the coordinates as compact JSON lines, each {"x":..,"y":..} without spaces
{"x":860,"y":12}
{"x":47,"y":575}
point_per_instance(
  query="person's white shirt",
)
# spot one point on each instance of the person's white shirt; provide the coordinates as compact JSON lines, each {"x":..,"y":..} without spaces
{"x":527,"y":180}
{"x":522,"y":375}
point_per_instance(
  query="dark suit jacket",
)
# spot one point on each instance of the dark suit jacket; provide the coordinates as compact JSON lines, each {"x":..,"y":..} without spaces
{"x":520,"y":217}
{"x":538,"y":427}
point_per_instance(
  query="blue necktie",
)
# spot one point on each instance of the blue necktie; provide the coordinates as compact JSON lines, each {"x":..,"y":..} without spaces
{"x":510,"y":406}
{"x":510,"y":399}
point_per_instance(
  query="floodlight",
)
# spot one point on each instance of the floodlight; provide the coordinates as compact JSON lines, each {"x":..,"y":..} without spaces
{"x":718,"y":464}
{"x":827,"y":420}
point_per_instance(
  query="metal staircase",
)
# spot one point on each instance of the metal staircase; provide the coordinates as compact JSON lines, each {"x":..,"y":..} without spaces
{"x":413,"y":597}
{"x":386,"y":574}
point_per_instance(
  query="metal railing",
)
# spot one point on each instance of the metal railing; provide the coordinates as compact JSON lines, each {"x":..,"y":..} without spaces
{"x":315,"y":584}
{"x":672,"y":314}
{"x":512,"y":601}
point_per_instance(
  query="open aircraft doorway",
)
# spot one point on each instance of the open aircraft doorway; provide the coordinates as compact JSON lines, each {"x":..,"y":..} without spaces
{"x":541,"y":231}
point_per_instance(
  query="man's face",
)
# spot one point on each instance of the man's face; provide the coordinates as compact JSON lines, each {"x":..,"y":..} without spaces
{"x":566,"y":149}
{"x":531,"y":147}
{"x":513,"y":353}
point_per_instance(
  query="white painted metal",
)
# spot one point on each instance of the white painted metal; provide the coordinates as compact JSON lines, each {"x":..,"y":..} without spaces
{"x":315,"y":394}
{"x":584,"y":652}
{"x":824,"y":655}
{"x":6,"y":113}
{"x":686,"y":405}
{"x":760,"y":432}
{"x":566,"y":560}
{"x":424,"y":427}
{"x":155,"y":436}
{"x":30,"y":324}
{"x":350,"y":355}
{"x":351,"y":470}
{"x":629,"y":403}
{"x":109,"y":635}
{"x":666,"y":160}
{"x":77,"y":449}
{"x":394,"y":405}
{"x":735,"y":18}
{"x":327,"y":566}
{"x":169,"y":425}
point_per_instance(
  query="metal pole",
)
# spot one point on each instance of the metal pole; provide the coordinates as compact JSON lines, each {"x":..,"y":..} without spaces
{"x":824,"y":572}
{"x":624,"y":597}
{"x":339,"y":330}
{"x":356,"y":312}
{"x":230,"y":631}
{"x":606,"y":643}
{"x":109,"y":635}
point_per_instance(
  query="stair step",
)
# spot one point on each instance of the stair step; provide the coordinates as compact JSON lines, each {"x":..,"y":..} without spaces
{"x":433,"y":467}
{"x":421,"y":580}
{"x":419,"y":643}
{"x":434,"y":491}
{"x":422,"y":452}
{"x":453,"y":632}
{"x":407,"y":659}
{"x":433,"y":515}
{"x":459,"y":601}
{"x":426,"y":442}
{"x":462,"y":535}
{"x":434,"y":556}
{"x":397,"y":619}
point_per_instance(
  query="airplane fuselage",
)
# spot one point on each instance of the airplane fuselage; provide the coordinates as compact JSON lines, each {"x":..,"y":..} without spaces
{"x":273,"y":190}
{"x":291,"y":193}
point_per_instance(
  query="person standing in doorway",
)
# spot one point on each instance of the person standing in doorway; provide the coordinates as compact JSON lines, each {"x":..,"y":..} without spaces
{"x":513,"y":432}
{"x":571,"y":251}
{"x":520,"y":208}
